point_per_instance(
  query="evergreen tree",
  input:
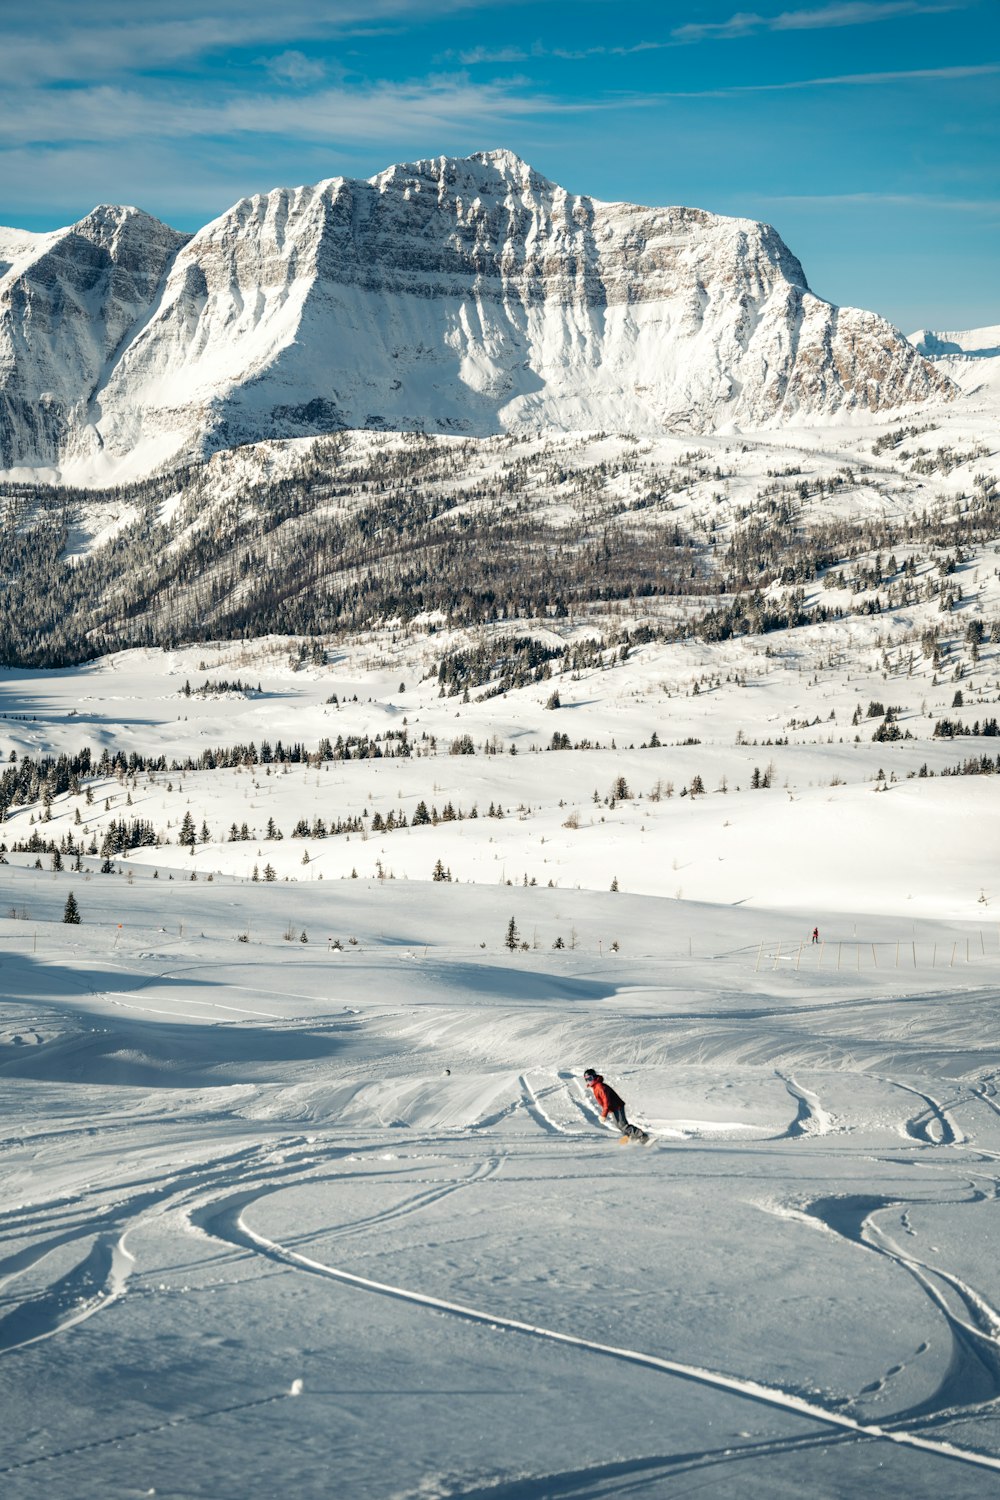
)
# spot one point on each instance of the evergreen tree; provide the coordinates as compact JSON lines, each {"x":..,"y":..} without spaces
{"x":513,"y":937}
{"x":71,"y":912}
{"x":187,"y":833}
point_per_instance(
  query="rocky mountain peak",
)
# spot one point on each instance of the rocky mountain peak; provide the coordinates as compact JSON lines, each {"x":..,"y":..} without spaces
{"x":465,"y":295}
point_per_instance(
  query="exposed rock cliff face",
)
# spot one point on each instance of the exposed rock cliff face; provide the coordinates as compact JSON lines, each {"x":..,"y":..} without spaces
{"x":456,"y":296}
{"x":69,"y":301}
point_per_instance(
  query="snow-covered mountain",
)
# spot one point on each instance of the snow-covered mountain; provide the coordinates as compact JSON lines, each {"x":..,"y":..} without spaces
{"x":69,"y":303}
{"x":469,"y":296}
{"x":972,"y":343}
{"x":970,"y":358}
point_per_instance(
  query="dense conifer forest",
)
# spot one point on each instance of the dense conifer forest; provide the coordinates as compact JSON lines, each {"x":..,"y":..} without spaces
{"x":422,"y":530}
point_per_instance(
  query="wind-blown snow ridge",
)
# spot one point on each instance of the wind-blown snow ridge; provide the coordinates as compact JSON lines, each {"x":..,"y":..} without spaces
{"x":468,"y":295}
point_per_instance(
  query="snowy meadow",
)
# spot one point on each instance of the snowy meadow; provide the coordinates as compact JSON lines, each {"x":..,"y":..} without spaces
{"x":302,"y":1192}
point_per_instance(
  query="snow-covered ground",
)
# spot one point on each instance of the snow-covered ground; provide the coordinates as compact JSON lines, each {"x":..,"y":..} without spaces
{"x":279,"y":1217}
{"x":300,"y":1191}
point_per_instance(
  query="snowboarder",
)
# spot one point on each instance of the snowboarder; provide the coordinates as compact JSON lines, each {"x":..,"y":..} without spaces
{"x":815,"y":934}
{"x":612,"y":1104}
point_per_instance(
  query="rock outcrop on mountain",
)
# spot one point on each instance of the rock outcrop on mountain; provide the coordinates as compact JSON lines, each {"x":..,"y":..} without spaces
{"x":69,"y":303}
{"x":468,"y":296}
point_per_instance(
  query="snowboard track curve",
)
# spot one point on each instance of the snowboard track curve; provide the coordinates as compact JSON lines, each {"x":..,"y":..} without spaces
{"x":224,"y":1219}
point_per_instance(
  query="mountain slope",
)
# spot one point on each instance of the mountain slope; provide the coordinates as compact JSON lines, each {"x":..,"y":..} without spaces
{"x":67,"y":302}
{"x":970,"y":358}
{"x":468,"y":296}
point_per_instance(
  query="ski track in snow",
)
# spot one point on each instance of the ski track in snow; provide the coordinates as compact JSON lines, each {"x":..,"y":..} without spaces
{"x":223,"y":1218}
{"x":214,"y":1197}
{"x":811,"y":1118}
{"x":100,"y":1277}
{"x":932,"y":1126}
{"x":974,"y":1377}
{"x":553,"y":1089}
{"x":116,"y":1439}
{"x":986,"y":1092}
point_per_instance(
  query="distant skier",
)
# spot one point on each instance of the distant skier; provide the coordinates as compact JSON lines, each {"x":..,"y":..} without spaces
{"x":612,"y":1104}
{"x":815,"y":934}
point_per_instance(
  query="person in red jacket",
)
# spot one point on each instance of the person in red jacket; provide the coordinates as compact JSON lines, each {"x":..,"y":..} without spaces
{"x":610,"y":1103}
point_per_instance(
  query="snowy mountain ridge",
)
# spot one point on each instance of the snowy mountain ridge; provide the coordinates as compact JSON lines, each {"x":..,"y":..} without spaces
{"x":467,"y":296}
{"x":970,"y":358}
{"x":972,"y":343}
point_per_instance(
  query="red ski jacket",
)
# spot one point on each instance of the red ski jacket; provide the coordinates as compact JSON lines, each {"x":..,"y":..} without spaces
{"x":605,"y":1096}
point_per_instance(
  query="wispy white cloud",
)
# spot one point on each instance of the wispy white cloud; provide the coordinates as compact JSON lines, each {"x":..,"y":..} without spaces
{"x":968,"y":70}
{"x":902,"y":75}
{"x":107,"y":114}
{"x":922,"y":201}
{"x":473,"y":56}
{"x":68,"y":41}
{"x":332,"y":114}
{"x":628,"y":50}
{"x":847,"y":13}
{"x":295,"y":68}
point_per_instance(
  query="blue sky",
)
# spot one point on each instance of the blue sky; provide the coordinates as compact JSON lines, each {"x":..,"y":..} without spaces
{"x":867,"y":131}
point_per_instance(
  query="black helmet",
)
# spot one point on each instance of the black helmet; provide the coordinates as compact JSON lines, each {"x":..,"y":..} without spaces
{"x":589,"y":1074}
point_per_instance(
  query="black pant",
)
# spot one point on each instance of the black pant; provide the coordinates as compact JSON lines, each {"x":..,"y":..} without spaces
{"x":618,"y":1115}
